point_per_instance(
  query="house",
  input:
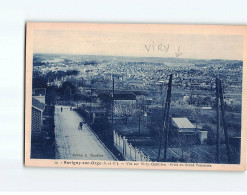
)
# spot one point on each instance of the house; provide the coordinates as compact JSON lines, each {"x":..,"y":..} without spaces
{"x":124,"y":95}
{"x":37,"y":116}
{"x":126,"y":99}
{"x":183,"y":125}
{"x":39,"y":94}
{"x":118,"y":95}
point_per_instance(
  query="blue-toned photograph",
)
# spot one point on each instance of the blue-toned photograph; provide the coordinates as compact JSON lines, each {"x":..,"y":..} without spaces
{"x":128,"y":96}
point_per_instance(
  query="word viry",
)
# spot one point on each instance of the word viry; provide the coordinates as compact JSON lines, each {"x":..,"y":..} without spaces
{"x":165,"y":48}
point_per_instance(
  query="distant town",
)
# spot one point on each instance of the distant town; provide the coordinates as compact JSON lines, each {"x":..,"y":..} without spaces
{"x":136,"y":108}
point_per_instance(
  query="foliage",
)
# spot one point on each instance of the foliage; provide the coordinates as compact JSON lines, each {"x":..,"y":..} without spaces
{"x":39,"y":80}
{"x":155,"y":124}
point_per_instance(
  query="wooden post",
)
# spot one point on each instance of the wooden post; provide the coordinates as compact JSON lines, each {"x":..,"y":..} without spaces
{"x":90,"y":104}
{"x":113,"y":90}
{"x":141,"y":155}
{"x":162,"y":130}
{"x":167,"y":117}
{"x":119,"y":140}
{"x":124,"y":146}
{"x":167,"y":109}
{"x":125,"y":143}
{"x":135,"y":153}
{"x":130,"y":146}
{"x":224,"y":122}
{"x":218,"y":122}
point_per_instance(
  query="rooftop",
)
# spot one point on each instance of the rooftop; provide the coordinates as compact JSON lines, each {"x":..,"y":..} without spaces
{"x":118,"y":94}
{"x":182,"y":123}
{"x":38,"y":105}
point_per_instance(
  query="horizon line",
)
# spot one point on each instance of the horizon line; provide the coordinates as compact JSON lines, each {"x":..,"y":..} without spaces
{"x":135,"y":56}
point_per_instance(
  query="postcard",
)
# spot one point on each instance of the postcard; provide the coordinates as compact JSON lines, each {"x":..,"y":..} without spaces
{"x":136,"y":96}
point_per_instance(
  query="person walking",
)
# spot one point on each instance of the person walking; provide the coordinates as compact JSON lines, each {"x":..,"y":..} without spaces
{"x":80,"y":126}
{"x":61,"y":109}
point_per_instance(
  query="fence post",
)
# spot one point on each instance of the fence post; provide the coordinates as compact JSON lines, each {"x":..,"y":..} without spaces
{"x":117,"y":140}
{"x":141,"y":155}
{"x":135,"y":153}
{"x":138,"y":154}
{"x":130,"y":150}
{"x":114,"y":138}
{"x":124,"y":145}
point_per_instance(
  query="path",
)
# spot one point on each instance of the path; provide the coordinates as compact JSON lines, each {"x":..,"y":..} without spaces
{"x":77,"y":144}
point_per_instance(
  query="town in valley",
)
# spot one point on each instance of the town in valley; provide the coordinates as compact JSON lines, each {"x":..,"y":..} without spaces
{"x":124,"y":108}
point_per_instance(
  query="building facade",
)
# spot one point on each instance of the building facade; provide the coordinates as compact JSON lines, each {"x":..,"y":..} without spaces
{"x":37,"y":116}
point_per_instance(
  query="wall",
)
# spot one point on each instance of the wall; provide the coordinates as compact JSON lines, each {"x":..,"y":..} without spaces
{"x":36,"y":121}
{"x":129,"y":152}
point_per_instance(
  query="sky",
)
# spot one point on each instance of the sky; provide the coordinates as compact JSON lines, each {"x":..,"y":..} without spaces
{"x":141,"y":44}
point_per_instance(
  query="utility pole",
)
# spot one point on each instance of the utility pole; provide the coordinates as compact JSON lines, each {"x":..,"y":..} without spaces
{"x":167,"y":117}
{"x":224,"y":123}
{"x":91,"y":104}
{"x":139,"y":121}
{"x":112,"y":102}
{"x":161,"y":134}
{"x":218,"y":122}
{"x":163,"y":120}
{"x":166,"y":120}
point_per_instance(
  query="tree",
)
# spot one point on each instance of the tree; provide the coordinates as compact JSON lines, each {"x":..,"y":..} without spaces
{"x":39,"y":80}
{"x":197,"y":115}
{"x":155,"y":124}
{"x":211,"y":134}
{"x":141,"y":103}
